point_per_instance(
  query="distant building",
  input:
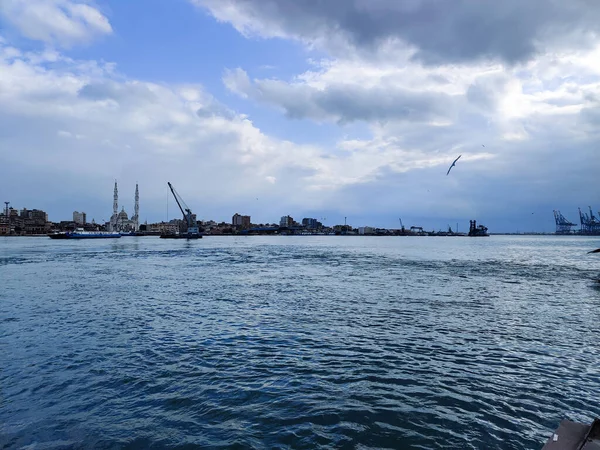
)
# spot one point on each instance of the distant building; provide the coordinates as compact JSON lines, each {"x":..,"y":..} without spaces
{"x":40,"y":216}
{"x":4,"y":225}
{"x":342,"y":228}
{"x":240,"y":222}
{"x":366,"y":230}
{"x":311,"y":224}
{"x":286,"y":222}
{"x":33,"y":214}
{"x":79,"y":218}
{"x":26,"y":221}
{"x":162,"y":227}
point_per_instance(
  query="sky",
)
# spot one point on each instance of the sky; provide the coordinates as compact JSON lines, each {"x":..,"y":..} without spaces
{"x":344,"y":108}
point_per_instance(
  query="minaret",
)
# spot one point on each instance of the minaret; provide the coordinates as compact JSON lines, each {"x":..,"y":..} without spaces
{"x":136,"y":210}
{"x":115,"y":216}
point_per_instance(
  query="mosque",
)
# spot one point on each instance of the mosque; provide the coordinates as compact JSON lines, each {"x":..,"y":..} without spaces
{"x":120,"y":221}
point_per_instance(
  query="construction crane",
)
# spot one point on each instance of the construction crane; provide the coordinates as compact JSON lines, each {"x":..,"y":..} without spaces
{"x":401,"y":224}
{"x":188,"y":217}
{"x":563,"y":226}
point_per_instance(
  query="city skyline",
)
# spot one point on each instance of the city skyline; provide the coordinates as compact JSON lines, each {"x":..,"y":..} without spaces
{"x":246,"y":111}
{"x":587,"y":221}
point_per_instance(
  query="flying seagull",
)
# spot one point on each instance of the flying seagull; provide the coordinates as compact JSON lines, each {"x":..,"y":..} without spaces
{"x":453,"y":164}
{"x":595,"y":251}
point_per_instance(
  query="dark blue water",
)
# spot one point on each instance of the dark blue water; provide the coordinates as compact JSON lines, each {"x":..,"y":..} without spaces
{"x":297,"y":342}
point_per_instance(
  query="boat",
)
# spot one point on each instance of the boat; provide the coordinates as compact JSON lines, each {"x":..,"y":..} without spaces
{"x":181,"y":236}
{"x":477,"y":231}
{"x":80,"y":233}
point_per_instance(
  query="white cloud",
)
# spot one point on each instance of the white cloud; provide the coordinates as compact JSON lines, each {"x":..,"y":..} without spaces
{"x":406,"y":121}
{"x":60,"y":22}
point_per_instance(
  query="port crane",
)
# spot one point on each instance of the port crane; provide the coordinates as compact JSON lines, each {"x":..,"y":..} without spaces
{"x":563,"y":225}
{"x":188,"y":217}
{"x":401,"y":224}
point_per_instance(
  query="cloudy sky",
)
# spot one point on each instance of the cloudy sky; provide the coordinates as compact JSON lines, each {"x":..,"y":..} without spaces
{"x":326,"y":109}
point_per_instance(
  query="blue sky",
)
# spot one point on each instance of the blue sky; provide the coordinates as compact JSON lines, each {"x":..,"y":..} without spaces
{"x":326,"y":109}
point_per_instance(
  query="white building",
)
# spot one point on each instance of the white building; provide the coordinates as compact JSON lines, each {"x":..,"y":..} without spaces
{"x":286,"y":222}
{"x":366,"y":230}
{"x":79,"y":218}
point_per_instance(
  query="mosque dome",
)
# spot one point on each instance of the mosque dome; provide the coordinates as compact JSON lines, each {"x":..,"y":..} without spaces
{"x":123,"y":215}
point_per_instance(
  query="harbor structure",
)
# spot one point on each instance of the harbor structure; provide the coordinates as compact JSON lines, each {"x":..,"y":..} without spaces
{"x":476,"y":231}
{"x":563,"y":225}
{"x":190,"y":229}
{"x":590,"y":224}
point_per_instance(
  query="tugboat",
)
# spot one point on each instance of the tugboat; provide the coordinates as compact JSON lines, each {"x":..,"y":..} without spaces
{"x":80,"y":233}
{"x":477,"y":231}
{"x":192,"y":231}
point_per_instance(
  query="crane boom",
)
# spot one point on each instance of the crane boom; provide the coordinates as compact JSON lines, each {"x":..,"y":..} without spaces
{"x":176,"y":199}
{"x":192,"y":226}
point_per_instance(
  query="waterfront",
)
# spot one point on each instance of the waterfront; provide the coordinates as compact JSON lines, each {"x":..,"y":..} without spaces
{"x":297,"y":341}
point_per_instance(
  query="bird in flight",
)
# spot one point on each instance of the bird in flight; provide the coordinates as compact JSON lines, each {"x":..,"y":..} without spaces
{"x":453,"y":164}
{"x":595,"y":251}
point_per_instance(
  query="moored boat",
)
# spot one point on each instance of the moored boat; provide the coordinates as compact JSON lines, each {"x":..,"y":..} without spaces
{"x":195,"y":235}
{"x":80,"y":233}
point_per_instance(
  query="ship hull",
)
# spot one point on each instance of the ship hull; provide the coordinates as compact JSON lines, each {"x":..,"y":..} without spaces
{"x":180,"y":236}
{"x":84,"y":236}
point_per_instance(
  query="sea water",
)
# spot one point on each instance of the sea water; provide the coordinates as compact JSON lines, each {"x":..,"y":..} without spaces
{"x":297,"y":342}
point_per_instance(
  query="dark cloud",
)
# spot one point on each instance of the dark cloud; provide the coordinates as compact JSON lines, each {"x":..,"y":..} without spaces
{"x":440,"y":31}
{"x":346,"y":102}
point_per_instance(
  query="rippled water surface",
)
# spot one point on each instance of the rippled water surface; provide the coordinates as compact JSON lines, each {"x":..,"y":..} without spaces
{"x":297,"y":342}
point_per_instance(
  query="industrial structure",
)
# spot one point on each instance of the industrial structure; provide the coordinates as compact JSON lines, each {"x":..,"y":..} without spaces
{"x":589,"y":223}
{"x":189,"y":229}
{"x":120,"y":221}
{"x":475,"y":230}
{"x":563,"y":225}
